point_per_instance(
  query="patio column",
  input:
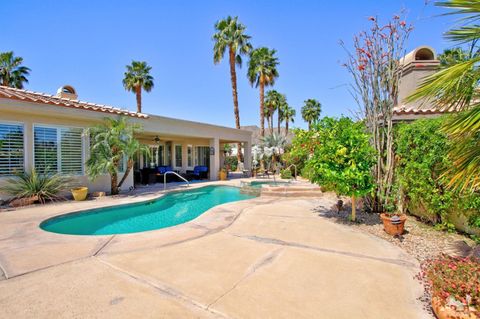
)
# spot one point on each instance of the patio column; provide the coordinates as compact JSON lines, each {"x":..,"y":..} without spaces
{"x":215,"y":158}
{"x":247,"y":155}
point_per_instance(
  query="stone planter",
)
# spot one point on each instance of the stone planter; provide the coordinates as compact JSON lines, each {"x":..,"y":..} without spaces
{"x":443,"y":312}
{"x":393,"y":225}
{"x":79,"y":193}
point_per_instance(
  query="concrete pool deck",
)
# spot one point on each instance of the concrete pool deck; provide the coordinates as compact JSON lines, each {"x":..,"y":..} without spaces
{"x":259,"y":258}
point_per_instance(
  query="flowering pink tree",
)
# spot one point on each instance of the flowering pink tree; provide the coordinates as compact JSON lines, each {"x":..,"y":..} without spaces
{"x":376,"y":66}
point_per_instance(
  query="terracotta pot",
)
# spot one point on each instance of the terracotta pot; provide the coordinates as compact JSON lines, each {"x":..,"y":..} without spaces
{"x":443,"y":312}
{"x":79,"y":193}
{"x":393,"y":228}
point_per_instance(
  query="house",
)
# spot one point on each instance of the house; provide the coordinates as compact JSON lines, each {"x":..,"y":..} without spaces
{"x":41,"y":130}
{"x":417,"y":65}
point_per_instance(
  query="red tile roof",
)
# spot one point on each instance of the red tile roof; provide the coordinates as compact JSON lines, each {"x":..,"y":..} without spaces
{"x":42,"y":98}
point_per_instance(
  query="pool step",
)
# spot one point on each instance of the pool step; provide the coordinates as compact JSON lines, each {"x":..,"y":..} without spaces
{"x":308,"y":190}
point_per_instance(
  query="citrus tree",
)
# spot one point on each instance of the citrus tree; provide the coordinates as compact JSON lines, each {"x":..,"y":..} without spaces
{"x":342,"y":158}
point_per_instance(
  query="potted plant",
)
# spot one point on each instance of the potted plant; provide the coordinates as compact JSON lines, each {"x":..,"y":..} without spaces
{"x":454,"y":284}
{"x":79,"y":193}
{"x":223,"y":174}
{"x":393,"y":221}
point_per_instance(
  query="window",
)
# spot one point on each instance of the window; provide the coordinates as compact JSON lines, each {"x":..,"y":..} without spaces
{"x":58,"y":149}
{"x":178,"y":155}
{"x":168,"y":154}
{"x":189,"y":155}
{"x":11,"y":149}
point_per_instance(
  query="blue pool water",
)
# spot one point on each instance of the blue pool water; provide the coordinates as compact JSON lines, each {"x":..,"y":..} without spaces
{"x":169,"y":210}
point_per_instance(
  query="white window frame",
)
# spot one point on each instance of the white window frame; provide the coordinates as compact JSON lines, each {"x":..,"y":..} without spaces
{"x":59,"y":155}
{"x":7,"y":122}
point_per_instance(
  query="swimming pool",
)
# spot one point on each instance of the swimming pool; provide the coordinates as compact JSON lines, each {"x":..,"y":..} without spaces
{"x":170,"y":210}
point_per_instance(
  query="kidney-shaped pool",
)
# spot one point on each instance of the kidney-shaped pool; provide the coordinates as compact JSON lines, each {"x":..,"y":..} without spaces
{"x":170,"y":210}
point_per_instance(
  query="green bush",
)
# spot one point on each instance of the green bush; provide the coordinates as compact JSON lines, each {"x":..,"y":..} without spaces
{"x":286,"y":174}
{"x":232,"y":161}
{"x":422,"y":158}
{"x":42,"y":186}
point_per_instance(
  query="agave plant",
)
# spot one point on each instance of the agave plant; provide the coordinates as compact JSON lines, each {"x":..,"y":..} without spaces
{"x":43,"y":187}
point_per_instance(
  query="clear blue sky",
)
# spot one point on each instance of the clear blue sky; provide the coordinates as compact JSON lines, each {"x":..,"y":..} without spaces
{"x":88,"y":43}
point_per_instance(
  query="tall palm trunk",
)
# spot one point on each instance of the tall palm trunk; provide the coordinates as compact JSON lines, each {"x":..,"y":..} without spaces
{"x":262,"y":115}
{"x":286,"y":126}
{"x":279,"y":121}
{"x":236,"y":112}
{"x":270,"y":119}
{"x":138,"y":93}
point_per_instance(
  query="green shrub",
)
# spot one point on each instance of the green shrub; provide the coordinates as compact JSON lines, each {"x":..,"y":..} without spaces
{"x":286,"y":174}
{"x":42,"y":186}
{"x":422,"y":157}
{"x":232,"y":161}
{"x":299,"y":151}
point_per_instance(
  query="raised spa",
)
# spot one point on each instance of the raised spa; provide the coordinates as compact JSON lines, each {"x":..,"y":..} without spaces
{"x":170,"y":210}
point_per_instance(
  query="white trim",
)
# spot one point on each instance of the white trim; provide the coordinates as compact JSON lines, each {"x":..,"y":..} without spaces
{"x":190,"y":167}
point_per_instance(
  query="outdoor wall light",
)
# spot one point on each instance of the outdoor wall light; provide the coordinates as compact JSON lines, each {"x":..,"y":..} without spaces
{"x":212,"y":150}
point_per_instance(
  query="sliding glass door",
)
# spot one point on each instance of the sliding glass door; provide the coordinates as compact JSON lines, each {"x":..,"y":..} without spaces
{"x":202,"y":156}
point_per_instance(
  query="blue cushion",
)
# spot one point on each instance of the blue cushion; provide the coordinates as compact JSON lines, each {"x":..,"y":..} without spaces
{"x":200,"y":169}
{"x":163,"y":169}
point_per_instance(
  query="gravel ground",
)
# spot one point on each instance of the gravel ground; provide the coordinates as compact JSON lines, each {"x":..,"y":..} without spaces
{"x":419,"y":240}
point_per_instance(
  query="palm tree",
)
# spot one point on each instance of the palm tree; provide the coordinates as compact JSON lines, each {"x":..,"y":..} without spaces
{"x":288,"y":114}
{"x":112,"y":142}
{"x":137,"y":77}
{"x":12,"y":73}
{"x":282,"y":107}
{"x":311,"y":111}
{"x":455,"y":87}
{"x":230,"y":35}
{"x":262,"y":71}
{"x":273,"y":146}
{"x":272,"y":104}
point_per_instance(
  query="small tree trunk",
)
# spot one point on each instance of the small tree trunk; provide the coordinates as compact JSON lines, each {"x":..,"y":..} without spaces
{"x":113,"y":183}
{"x":286,"y":126}
{"x":138,"y":93}
{"x":354,"y":209}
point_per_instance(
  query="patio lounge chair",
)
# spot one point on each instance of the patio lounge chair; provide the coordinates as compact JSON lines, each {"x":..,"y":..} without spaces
{"x":199,"y":172}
